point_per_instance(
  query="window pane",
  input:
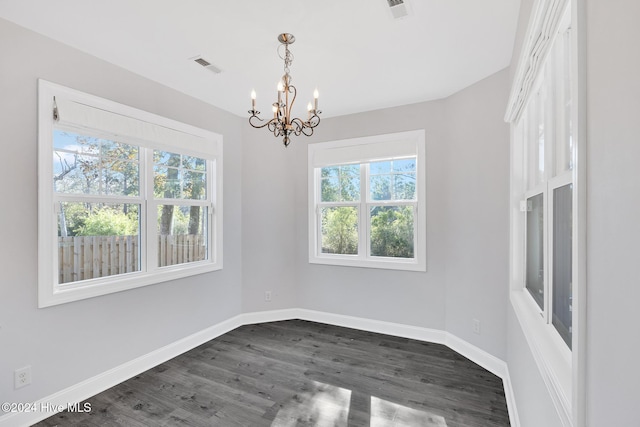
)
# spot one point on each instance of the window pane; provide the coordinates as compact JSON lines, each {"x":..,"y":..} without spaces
{"x":97,"y":240}
{"x":393,"y":179}
{"x":392,"y":231}
{"x":380,"y":168}
{"x":564,"y":147}
{"x":404,"y":186}
{"x":87,"y":165}
{"x":182,"y":236}
{"x":330,"y":189}
{"x":404,"y":165}
{"x":118,"y":150}
{"x":166,"y":182}
{"x":380,"y":187}
{"x":339,"y":228}
{"x":194,"y":163}
{"x":535,"y":139}
{"x":562,"y":246}
{"x":350,"y":183}
{"x":340,"y":183}
{"x":166,"y":158}
{"x":535,"y":249}
{"x":75,"y":173}
{"x":195,"y":185}
{"x":120,"y":177}
{"x":75,"y":143}
{"x":330,"y":172}
{"x":179,"y":177}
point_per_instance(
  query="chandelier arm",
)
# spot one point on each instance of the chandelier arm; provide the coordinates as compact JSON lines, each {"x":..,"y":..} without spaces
{"x":298,"y":126}
{"x":314,"y":120}
{"x":257,"y":126}
{"x":290,"y":107}
{"x":307,"y":131}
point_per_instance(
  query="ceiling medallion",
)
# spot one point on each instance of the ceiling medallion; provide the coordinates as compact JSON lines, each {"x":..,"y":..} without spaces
{"x":282,"y":124}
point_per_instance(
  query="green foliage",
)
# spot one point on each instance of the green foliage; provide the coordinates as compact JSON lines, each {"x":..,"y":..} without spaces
{"x":391,"y":226}
{"x":340,"y":230}
{"x":75,"y":215}
{"x":109,"y":222}
{"x":392,"y":232}
{"x":179,"y":219}
{"x":340,"y":183}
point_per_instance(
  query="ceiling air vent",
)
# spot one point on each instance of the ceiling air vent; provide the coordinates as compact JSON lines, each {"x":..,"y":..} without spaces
{"x":206,"y":64}
{"x":399,"y":8}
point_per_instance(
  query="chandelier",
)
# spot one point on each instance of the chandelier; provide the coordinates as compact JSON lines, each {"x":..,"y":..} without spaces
{"x":282,"y":124}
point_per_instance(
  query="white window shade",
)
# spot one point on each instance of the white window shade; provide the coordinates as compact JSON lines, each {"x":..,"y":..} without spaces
{"x":133,"y":124}
{"x":543,"y":30}
{"x":355,"y":150}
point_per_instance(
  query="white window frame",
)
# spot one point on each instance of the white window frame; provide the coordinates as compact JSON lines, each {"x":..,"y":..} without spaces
{"x":149,"y":132}
{"x":562,"y":369}
{"x":363,"y":151}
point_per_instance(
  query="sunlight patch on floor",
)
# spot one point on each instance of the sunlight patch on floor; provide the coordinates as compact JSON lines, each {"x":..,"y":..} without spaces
{"x":325,"y":405}
{"x":389,"y":414}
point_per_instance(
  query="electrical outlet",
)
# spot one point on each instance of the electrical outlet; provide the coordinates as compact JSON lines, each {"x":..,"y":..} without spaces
{"x":476,"y":326}
{"x":267,"y":296}
{"x":22,"y":377}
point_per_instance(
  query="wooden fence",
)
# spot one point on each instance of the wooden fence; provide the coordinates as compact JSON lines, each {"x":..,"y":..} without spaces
{"x":88,"y":257}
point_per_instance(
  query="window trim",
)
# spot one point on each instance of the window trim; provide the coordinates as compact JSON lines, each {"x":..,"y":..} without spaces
{"x":200,"y":142}
{"x":410,"y":140}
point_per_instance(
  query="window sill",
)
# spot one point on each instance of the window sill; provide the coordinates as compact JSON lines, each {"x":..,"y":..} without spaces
{"x":61,"y":294}
{"x":382,"y":263}
{"x":549,"y":351}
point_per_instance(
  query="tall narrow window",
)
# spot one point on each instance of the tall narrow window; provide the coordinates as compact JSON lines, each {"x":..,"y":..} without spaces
{"x":548,"y":149}
{"x":535,"y":271}
{"x":562,"y":253}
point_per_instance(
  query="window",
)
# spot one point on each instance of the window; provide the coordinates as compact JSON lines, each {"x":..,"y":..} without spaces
{"x":126,"y":198}
{"x":366,"y":202}
{"x":545,"y":132}
{"x":545,"y":228}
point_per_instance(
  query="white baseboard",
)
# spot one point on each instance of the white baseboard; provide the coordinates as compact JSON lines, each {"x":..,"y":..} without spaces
{"x":112,"y":377}
{"x":514,"y":418}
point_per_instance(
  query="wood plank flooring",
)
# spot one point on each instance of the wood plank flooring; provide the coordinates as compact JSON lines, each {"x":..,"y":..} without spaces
{"x":299,"y":373}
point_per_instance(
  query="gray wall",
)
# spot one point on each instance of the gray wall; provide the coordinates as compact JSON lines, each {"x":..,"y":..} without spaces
{"x":412,"y":298}
{"x":613,"y":212}
{"x":268,"y":218}
{"x":467,"y":221}
{"x":69,"y":343}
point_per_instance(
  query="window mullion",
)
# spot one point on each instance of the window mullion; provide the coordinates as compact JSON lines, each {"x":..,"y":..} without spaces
{"x":547,"y":227}
{"x":364,"y":230}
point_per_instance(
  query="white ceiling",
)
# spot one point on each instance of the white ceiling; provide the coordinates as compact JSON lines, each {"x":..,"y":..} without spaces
{"x":353,"y":51}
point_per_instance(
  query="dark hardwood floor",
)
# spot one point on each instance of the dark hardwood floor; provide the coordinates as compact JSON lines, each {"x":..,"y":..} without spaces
{"x":299,"y":373}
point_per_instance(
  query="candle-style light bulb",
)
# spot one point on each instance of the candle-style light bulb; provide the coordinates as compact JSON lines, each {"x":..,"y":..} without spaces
{"x":315,"y":99}
{"x":309,"y":108}
{"x":253,"y":100}
{"x":275,"y":111}
{"x":280,"y":89}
